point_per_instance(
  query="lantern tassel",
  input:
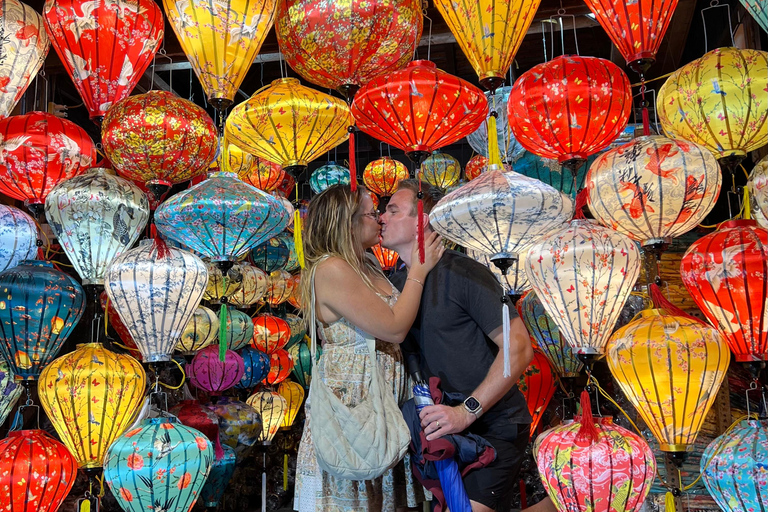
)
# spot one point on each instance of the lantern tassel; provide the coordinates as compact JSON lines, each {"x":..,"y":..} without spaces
{"x":223,"y":333}
{"x":505,"y":322}
{"x":352,"y":167}
{"x":285,"y":472}
{"x":264,"y":492}
{"x":297,"y":239}
{"x":420,"y":229}
{"x":161,"y":247}
{"x":494,"y":157}
{"x":588,"y":429}
{"x":661,"y":302}
{"x":646,"y":122}
{"x":669,"y":502}
{"x":747,"y":208}
{"x":581,"y":202}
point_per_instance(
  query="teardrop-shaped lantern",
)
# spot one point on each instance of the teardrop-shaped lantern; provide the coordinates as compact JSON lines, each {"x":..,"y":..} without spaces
{"x":383,"y":174}
{"x":10,"y":391}
{"x":18,"y":237}
{"x":280,"y":366}
{"x":156,"y":289}
{"x":279,"y":287}
{"x":271,"y":407}
{"x":759,"y":11}
{"x":221,"y":473}
{"x":670,"y":368}
{"x":440,"y":170}
{"x":39,"y":308}
{"x":252,"y":288}
{"x":271,"y":255}
{"x":552,"y":173}
{"x":201,"y":331}
{"x":255,"y":171}
{"x":24,"y":46}
{"x":387,"y":258}
{"x":302,"y":363}
{"x":293,"y":394}
{"x":91,"y":396}
{"x":209,"y":373}
{"x":508,"y":146}
{"x":328,"y":175}
{"x":583,"y":275}
{"x":194,"y":415}
{"x":256,"y":367}
{"x":270,"y":333}
{"x":239,"y":424}
{"x":96,"y":216}
{"x":537,"y":384}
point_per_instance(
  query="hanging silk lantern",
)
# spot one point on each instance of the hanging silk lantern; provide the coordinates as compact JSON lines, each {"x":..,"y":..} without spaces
{"x":24,"y":47}
{"x":328,"y":175}
{"x":271,"y":407}
{"x":692,"y":103}
{"x":302,"y":360}
{"x":440,"y":170}
{"x":212,"y":375}
{"x":733,"y":467}
{"x":509,"y":148}
{"x":670,"y":368}
{"x":515,"y":279}
{"x":759,"y":11}
{"x":222,"y":284}
{"x":537,"y":384}
{"x":382,"y":176}
{"x":36,"y":471}
{"x":271,"y":255}
{"x":221,"y":473}
{"x":293,"y":258}
{"x":552,"y":173}
{"x":91,"y":396}
{"x":201,"y":331}
{"x":39,"y":308}
{"x":270,"y":333}
{"x":256,"y":367}
{"x":293,"y":394}
{"x":569,"y":108}
{"x":280,"y":285}
{"x":156,"y":289}
{"x":220,"y":41}
{"x":194,"y":415}
{"x":239,"y":329}
{"x":40,"y":150}
{"x":158,"y":139}
{"x":239,"y":424}
{"x":758,"y":189}
{"x":725,"y":273}
{"x":583,"y":275}
{"x":252,"y":288}
{"x":653,"y":188}
{"x":476,"y":165}
{"x":387,"y":258}
{"x":294,"y":299}
{"x":162,"y":462}
{"x":112,"y":319}
{"x":10,"y":391}
{"x":280,"y":366}
{"x":286,"y":187}
{"x":96,"y":216}
{"x":289,"y":124}
{"x":298,"y":329}
{"x":18,"y":237}
{"x":545,"y":334}
{"x":255,"y":171}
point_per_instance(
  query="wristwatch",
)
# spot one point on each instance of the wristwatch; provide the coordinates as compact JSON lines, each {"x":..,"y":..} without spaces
{"x":472,"y":404}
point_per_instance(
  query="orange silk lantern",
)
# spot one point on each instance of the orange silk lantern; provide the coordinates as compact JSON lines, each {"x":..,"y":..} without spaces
{"x":382,"y":176}
{"x":280,"y":366}
{"x":253,"y":170}
{"x":387,"y":257}
{"x":537,"y":384}
{"x":476,"y":165}
{"x":270,"y":333}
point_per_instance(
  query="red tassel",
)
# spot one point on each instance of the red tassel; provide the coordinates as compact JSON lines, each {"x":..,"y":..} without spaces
{"x":352,"y":166}
{"x":588,"y":429}
{"x":523,"y":495}
{"x":40,"y":254}
{"x":581,"y":202}
{"x":161,"y":247}
{"x":661,"y":302}
{"x":646,"y":122}
{"x":420,"y":230}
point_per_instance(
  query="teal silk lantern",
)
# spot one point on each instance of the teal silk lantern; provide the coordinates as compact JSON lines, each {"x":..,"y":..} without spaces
{"x":10,"y":390}
{"x":293,"y":258}
{"x":256,"y":367}
{"x":39,"y":307}
{"x":239,"y":330}
{"x":161,"y":465}
{"x":18,"y":237}
{"x":328,"y":175}
{"x":302,"y":363}
{"x":271,"y":255}
{"x":218,"y":479}
{"x":551,"y":172}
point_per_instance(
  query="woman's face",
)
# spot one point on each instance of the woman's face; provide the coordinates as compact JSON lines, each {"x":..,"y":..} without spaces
{"x":366,"y":221}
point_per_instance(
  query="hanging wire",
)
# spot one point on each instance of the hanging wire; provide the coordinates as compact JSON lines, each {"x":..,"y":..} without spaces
{"x":715,"y":4}
{"x":429,"y":37}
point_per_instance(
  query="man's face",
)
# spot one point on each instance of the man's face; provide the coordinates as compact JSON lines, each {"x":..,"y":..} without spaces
{"x":398,"y":224}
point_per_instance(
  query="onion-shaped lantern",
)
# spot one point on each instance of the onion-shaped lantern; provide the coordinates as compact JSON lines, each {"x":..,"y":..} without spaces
{"x":382,"y":176}
{"x":270,"y":333}
{"x":440,"y":170}
{"x":279,"y":287}
{"x":221,"y":473}
{"x":91,"y":396}
{"x":239,"y":424}
{"x":39,"y":308}
{"x":508,"y":146}
{"x":96,"y":216}
{"x":328,"y":175}
{"x":194,"y":415}
{"x":670,"y":368}
{"x":255,"y":171}
{"x":256,"y":367}
{"x":18,"y":237}
{"x":387,"y":258}
{"x":653,"y":188}
{"x":515,"y":279}
{"x":476,"y":165}
{"x":293,"y":394}
{"x":36,"y":471}
{"x":10,"y":390}
{"x":156,"y":289}
{"x":298,"y":329}
{"x":222,"y":283}
{"x":583,"y":275}
{"x":209,"y":373}
{"x":537,"y":384}
{"x":162,"y":463}
{"x":551,"y":172}
{"x":725,"y":273}
{"x":271,"y":407}
{"x":252,"y":287}
{"x":280,"y":366}
{"x":302,"y":363}
{"x":759,"y":10}
{"x":201,"y":331}
{"x":271,"y":255}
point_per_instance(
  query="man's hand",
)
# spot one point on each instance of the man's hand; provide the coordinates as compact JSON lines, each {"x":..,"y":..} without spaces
{"x":440,"y":420}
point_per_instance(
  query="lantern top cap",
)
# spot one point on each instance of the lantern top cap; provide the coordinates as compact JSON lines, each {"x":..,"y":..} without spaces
{"x":101,"y":169}
{"x":90,"y":344}
{"x":161,"y":420}
{"x":423,"y":63}
{"x":287,"y":80}
{"x":36,"y":263}
{"x":736,"y":223}
{"x":26,"y":433}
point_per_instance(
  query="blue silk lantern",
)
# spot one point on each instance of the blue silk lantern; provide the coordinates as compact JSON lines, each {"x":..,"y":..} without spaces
{"x":328,"y":175}
{"x":10,"y":390}
{"x":271,"y":255}
{"x":39,"y":307}
{"x":239,"y":424}
{"x":509,"y":148}
{"x":256,"y":367}
{"x":219,"y":477}
{"x":18,"y":237}
{"x":293,"y":258}
{"x":239,"y":329}
{"x":298,"y":329}
{"x":161,"y":465}
{"x":551,"y":172}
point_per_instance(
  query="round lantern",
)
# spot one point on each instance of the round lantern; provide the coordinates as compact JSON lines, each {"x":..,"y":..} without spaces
{"x":294,"y":299}
{"x":280,"y":366}
{"x":725,"y":273}
{"x":96,"y":216}
{"x":39,"y":308}
{"x":476,"y":165}
{"x":239,"y":329}
{"x":10,"y":391}
{"x":256,"y":367}
{"x":552,"y":173}
{"x":91,"y":396}
{"x":271,"y":407}
{"x":255,"y":171}
{"x":758,"y":188}
{"x":286,"y":187}
{"x":387,"y":258}
{"x":36,"y":471}
{"x":440,"y":170}
{"x":270,"y":333}
{"x":201,"y":331}
{"x":222,"y":283}
{"x":209,"y":373}
{"x":515,"y":279}
{"x":653,"y":188}
{"x":583,"y":275}
{"x":708,"y":102}
{"x":508,"y":146}
{"x":18,"y":237}
{"x":271,"y":255}
{"x":382,"y":176}
{"x":156,"y":289}
{"x":328,"y":175}
{"x":221,"y":473}
{"x":279,"y":287}
{"x":670,"y":368}
{"x":194,"y":415}
{"x":158,"y":139}
{"x":293,"y":394}
{"x":252,"y":287}
{"x":537,"y":384}
{"x":302,"y":363}
{"x":39,"y":150}
{"x":293,"y":258}
{"x":162,"y":462}
{"x":759,"y":11}
{"x":239,"y":424}
{"x":298,"y":328}
{"x":569,"y":108}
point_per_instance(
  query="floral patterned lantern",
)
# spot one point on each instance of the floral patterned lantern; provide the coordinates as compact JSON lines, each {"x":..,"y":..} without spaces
{"x":239,"y":423}
{"x":595,"y":269}
{"x":156,"y":289}
{"x":39,"y":308}
{"x":327,"y":175}
{"x":252,"y":288}
{"x":280,"y":366}
{"x":270,"y":333}
{"x":551,"y":172}
{"x":222,"y":283}
{"x":112,"y":319}
{"x":293,"y":394}
{"x":280,"y":285}
{"x":194,"y":415}
{"x":476,"y":165}
{"x":725,"y":273}
{"x":302,"y":360}
{"x":293,"y":262}
{"x":286,"y":187}
{"x":255,"y":171}
{"x":294,"y":299}
{"x":298,"y":328}
{"x":508,"y":146}
{"x":759,"y":10}
{"x":382,"y":176}
{"x":96,"y":216}
{"x":537,"y":384}
{"x":212,"y":375}
{"x":162,"y":463}
{"x":271,"y":407}
{"x":91,"y":396}
{"x":36,"y":471}
{"x":758,"y":189}
{"x":221,"y":473}
{"x":440,"y":170}
{"x":25,"y":45}
{"x":39,"y":151}
{"x":271,"y":255}
{"x":18,"y":237}
{"x":256,"y":367}
{"x":670,"y":368}
{"x":515,"y":279}
{"x":201,"y":331}
{"x":10,"y":391}
{"x":387,"y":258}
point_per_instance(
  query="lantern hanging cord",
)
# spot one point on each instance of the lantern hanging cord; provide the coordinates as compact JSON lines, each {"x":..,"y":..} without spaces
{"x":183,"y":377}
{"x":638,"y":84}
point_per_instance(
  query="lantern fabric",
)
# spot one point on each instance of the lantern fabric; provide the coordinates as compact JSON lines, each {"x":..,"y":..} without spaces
{"x":280,"y":366}
{"x":221,"y":41}
{"x":476,"y":165}
{"x":201,"y":331}
{"x":387,"y":258}
{"x":440,"y":170}
{"x":419,"y":108}
{"x":383,"y":174}
{"x":162,"y":462}
{"x":194,"y":415}
{"x":294,"y":299}
{"x":39,"y":151}
{"x":293,"y":394}
{"x":583,"y":275}
{"x":222,"y":284}
{"x":239,"y":423}
{"x":570,"y":107}
{"x":36,"y":471}
{"x":39,"y":308}
{"x":91,"y":396}
{"x":759,"y":11}
{"x":515,"y":280}
{"x":758,"y":189}
{"x":328,"y":175}
{"x":156,"y":290}
{"x":212,"y":375}
{"x":537,"y":384}
{"x":552,"y":173}
{"x":508,"y":146}
{"x":252,"y":288}
{"x":256,"y":367}
{"x":279,"y":287}
{"x":344,"y":45}
{"x":298,"y":328}
{"x":158,"y":139}
{"x":112,"y":319}
{"x":10,"y":391}
{"x":670,"y":368}
{"x":286,"y":187}
{"x":271,"y":255}
{"x":692,"y":103}
{"x":24,"y":46}
{"x":653,"y":188}
{"x":302,"y":360}
{"x":96,"y":216}
{"x":255,"y":171}
{"x":271,"y":407}
{"x":725,"y":273}
{"x":218,"y":479}
{"x":18,"y":237}
{"x":270,"y":333}
{"x":293,"y":258}
{"x":89,"y":37}
{"x":239,"y":329}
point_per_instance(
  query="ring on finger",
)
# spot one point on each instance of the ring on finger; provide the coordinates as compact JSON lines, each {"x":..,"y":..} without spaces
{"x":438,"y":424}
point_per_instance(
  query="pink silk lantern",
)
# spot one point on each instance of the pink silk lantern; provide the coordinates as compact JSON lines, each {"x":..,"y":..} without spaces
{"x":212,"y":375}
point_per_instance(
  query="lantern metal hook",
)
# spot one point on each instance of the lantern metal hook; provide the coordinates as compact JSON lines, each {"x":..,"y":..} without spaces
{"x":41,"y":75}
{"x":429,"y":37}
{"x":763,"y":410}
{"x":715,"y":4}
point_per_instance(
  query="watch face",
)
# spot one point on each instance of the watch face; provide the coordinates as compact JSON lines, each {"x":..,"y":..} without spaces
{"x":472,"y":403}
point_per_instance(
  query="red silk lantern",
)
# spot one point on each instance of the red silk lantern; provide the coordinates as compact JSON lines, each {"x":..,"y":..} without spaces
{"x":105,"y":46}
{"x":569,"y":108}
{"x":382,"y":176}
{"x":387,"y":257}
{"x":725,"y":273}
{"x":280,"y":366}
{"x":537,"y":384}
{"x":270,"y":333}
{"x":192,"y":414}
{"x":37,"y":151}
{"x":475,"y":166}
{"x":287,"y":186}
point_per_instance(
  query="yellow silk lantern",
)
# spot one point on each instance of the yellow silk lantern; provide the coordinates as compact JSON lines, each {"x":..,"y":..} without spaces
{"x":441,"y":170}
{"x":271,"y":406}
{"x":670,"y":368}
{"x":252,"y":288}
{"x":201,"y":330}
{"x":279,"y":287}
{"x":91,"y":396}
{"x":293,"y":394}
{"x":716,"y":101}
{"x":382,"y":176}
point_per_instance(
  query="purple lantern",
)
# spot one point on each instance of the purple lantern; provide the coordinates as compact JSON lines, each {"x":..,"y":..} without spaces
{"x":209,"y":373}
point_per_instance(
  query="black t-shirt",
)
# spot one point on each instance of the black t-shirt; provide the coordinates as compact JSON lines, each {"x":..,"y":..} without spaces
{"x":460,"y":306}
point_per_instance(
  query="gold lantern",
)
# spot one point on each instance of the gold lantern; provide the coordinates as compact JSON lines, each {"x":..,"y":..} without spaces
{"x":252,"y":288}
{"x":271,"y":406}
{"x":279,"y":287}
{"x":293,"y":394}
{"x":201,"y":331}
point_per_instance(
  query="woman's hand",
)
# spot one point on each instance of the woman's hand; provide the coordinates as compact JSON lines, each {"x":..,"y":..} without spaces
{"x":433,"y":251}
